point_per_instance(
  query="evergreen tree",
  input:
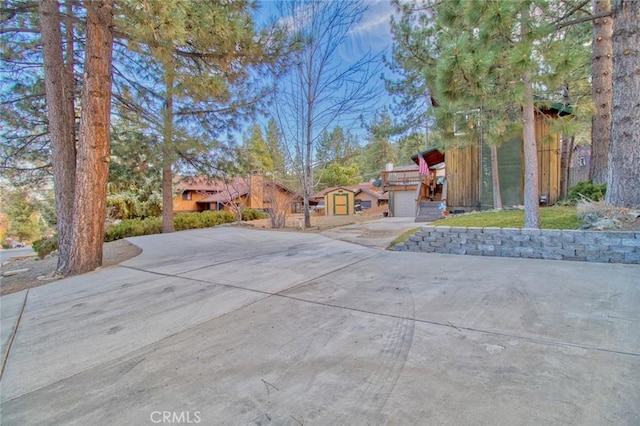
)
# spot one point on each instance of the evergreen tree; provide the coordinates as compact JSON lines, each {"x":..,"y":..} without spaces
{"x":276,"y":149}
{"x":487,"y":59}
{"x":256,"y":153}
{"x":410,"y":145}
{"x":335,"y":174}
{"x":624,"y":152}
{"x":379,"y":150}
{"x":22,"y":214}
{"x":602,"y":60}
{"x":211,"y":79}
{"x":336,"y":146}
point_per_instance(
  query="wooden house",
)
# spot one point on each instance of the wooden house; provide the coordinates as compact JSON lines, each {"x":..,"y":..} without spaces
{"x":412,"y":194}
{"x":365,"y":197}
{"x":467,"y":183}
{"x":469,"y":175}
{"x":199,"y":193}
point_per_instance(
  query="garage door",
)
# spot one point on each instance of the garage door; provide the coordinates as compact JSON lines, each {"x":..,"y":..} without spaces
{"x":404,"y":203}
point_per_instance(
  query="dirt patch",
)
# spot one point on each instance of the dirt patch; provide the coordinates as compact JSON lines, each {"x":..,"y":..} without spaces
{"x":319,"y":223}
{"x":40,"y":271}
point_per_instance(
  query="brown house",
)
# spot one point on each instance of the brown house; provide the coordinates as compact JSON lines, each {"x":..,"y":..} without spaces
{"x":199,"y":193}
{"x":469,"y":177}
{"x":467,"y":181}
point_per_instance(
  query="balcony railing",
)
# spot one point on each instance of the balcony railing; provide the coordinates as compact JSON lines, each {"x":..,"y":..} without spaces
{"x":400,"y":178}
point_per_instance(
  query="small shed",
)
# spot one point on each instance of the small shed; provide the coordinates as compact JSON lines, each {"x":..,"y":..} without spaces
{"x":339,"y":202}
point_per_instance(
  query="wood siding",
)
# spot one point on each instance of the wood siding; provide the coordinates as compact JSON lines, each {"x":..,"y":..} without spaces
{"x":330,"y":198}
{"x":463,"y":177}
{"x":549,"y":171}
{"x":183,"y":206}
{"x":468,"y":189}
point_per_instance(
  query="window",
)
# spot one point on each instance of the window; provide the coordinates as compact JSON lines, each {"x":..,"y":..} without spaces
{"x":186,"y":196}
{"x":366,"y":204}
{"x":582,"y":161}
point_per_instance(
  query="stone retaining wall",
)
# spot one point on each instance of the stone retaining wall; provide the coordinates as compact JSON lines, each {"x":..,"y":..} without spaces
{"x":589,"y":246}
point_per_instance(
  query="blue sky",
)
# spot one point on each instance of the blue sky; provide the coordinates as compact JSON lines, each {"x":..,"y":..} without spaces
{"x":371,"y":34}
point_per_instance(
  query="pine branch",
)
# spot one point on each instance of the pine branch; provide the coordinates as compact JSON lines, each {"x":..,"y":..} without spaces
{"x":572,"y":11}
{"x":584,"y":19}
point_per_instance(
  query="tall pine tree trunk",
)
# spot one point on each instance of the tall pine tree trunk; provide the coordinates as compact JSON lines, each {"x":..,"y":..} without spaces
{"x":623,"y":183}
{"x":530,"y":147}
{"x":167,"y":143}
{"x":92,"y":165}
{"x":59,"y":92}
{"x":602,"y":78}
{"x":495,"y":178}
{"x":531,"y":185}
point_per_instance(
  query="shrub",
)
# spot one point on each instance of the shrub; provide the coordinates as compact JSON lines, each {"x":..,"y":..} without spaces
{"x":46,"y":245}
{"x":589,"y":190}
{"x":205,"y":219}
{"x":253,"y":214}
{"x":133,"y":228}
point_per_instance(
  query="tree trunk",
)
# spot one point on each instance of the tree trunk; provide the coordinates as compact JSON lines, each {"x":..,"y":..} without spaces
{"x":602,"y":78}
{"x":623,"y":188}
{"x":495,"y":174}
{"x":92,"y":169}
{"x":167,"y":197}
{"x":167,"y":157}
{"x":565,"y":168}
{"x":59,"y":92}
{"x":531,"y":185}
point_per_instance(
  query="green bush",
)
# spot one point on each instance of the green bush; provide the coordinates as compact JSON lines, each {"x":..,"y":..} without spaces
{"x":133,"y":228}
{"x":149,"y":226}
{"x":253,"y":214}
{"x":589,"y":190}
{"x":205,"y":219}
{"x":45,"y":246}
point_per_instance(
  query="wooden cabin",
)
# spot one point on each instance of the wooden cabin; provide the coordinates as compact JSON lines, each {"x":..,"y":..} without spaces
{"x":199,"y":193}
{"x":469,"y":175}
{"x":467,"y":183}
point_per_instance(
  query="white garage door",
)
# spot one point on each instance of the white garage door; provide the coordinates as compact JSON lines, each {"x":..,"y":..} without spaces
{"x":404,"y":203}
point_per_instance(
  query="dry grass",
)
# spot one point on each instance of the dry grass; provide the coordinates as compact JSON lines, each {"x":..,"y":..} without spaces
{"x":295,"y":222}
{"x":586,"y":207}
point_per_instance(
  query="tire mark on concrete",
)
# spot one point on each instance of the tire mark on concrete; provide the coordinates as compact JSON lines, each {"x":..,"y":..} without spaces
{"x":394,"y":353}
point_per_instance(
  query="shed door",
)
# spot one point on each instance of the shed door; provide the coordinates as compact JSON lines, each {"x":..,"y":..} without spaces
{"x":340,"y":204}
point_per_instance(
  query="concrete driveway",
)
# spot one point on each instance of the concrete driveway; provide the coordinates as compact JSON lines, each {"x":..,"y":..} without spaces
{"x":238,"y":326}
{"x":375,"y":234}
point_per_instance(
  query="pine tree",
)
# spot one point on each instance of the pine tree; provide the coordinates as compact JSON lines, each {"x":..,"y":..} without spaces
{"x":487,"y":58}
{"x":379,"y":150}
{"x":276,"y":149}
{"x":211,"y":79}
{"x":602,"y":60}
{"x":255,"y":151}
{"x":623,"y":187}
